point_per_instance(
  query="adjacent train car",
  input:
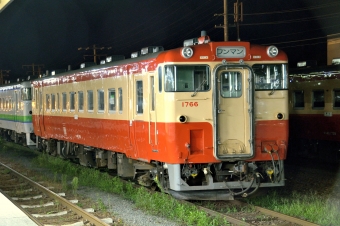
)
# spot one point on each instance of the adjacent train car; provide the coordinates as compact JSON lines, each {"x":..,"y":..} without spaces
{"x":207,"y":121}
{"x":16,"y":113}
{"x":315,"y":112}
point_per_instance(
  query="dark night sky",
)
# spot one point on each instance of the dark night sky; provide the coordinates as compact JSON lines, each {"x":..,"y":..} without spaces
{"x":50,"y":32}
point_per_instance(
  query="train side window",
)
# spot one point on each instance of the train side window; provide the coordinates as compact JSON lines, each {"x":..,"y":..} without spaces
{"x":120,"y":100}
{"x":336,"y":96}
{"x":48,"y":102}
{"x":81,"y":101}
{"x":100,"y":99}
{"x":112,"y":100}
{"x":139,"y":97}
{"x":299,"y":99}
{"x":90,"y":100}
{"x":318,"y":99}
{"x":64,"y":96}
{"x":72,"y":101}
{"x":40,"y":101}
{"x":160,"y":79}
{"x":152,"y":81}
{"x":53,"y":102}
{"x":58,"y":102}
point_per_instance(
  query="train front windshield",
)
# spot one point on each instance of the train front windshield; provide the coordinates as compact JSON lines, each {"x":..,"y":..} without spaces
{"x":270,"y":76}
{"x":184,"y":78}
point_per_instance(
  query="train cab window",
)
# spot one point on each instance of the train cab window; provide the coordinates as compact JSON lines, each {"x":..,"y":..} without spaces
{"x":231,"y":84}
{"x":64,"y":101}
{"x":53,"y":102}
{"x":48,"y":102}
{"x":112,"y":100}
{"x":298,"y":99}
{"x":81,"y":101}
{"x":336,"y":96}
{"x":72,"y":101}
{"x":90,"y":100}
{"x":139,"y":97}
{"x":270,"y":76}
{"x":100,"y":99}
{"x":26,"y":94}
{"x":188,"y":78}
{"x":120,"y":100}
{"x":318,"y":99}
{"x":160,"y":79}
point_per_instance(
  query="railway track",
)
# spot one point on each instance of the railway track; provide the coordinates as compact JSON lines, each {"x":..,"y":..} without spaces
{"x":42,"y":205}
{"x":248,"y":215}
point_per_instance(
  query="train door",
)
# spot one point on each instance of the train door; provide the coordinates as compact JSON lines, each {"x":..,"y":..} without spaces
{"x":234,"y":120}
{"x":40,"y":110}
{"x":16,"y":116}
{"x":140,"y":126}
{"x":152,"y":120}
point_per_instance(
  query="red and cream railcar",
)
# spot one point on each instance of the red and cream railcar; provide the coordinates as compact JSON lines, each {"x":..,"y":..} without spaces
{"x":315,"y":112}
{"x":209,"y":120}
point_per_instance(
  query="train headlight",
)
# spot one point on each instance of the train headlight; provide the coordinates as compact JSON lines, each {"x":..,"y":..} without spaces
{"x":183,"y":118}
{"x":187,"y":52}
{"x":280,"y":116}
{"x":272,"y":51}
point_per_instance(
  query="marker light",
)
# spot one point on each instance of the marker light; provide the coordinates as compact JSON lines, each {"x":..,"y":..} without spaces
{"x":187,"y":52}
{"x":272,"y":51}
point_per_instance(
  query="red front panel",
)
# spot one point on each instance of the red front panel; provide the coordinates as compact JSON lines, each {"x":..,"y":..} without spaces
{"x":271,"y":132}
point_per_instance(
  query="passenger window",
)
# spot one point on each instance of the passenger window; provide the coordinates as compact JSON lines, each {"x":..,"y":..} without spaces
{"x":112,"y":100}
{"x":64,"y":101}
{"x":152,"y":81}
{"x":231,"y":84}
{"x":48,"y":102}
{"x":336,"y":96}
{"x":318,"y":99}
{"x":53,"y":102}
{"x":139,"y":97}
{"x":58,"y":102}
{"x":90,"y":100}
{"x":160,"y":79}
{"x":72,"y":101}
{"x":120,"y":96}
{"x":299,"y":100}
{"x":80,"y":101}
{"x":40,"y":101}
{"x":100,"y":98}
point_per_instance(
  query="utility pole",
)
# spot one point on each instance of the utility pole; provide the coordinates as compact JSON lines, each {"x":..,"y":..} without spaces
{"x":238,"y":16}
{"x":36,"y":69}
{"x":225,"y":25}
{"x":2,"y":75}
{"x":94,"y":48}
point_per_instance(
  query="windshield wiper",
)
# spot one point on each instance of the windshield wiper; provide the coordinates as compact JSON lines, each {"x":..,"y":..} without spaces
{"x":196,"y":90}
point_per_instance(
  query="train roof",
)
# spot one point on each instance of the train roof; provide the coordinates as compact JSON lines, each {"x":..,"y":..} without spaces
{"x":314,"y":73}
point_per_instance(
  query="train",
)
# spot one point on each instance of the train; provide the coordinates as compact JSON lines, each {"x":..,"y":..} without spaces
{"x":314,"y":106}
{"x":205,"y":121}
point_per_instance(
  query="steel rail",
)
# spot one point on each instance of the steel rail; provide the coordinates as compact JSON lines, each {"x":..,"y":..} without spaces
{"x":276,"y":214}
{"x":79,"y":211}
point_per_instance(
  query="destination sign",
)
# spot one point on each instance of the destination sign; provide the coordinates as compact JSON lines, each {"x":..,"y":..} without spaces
{"x":230,"y":51}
